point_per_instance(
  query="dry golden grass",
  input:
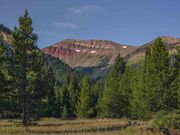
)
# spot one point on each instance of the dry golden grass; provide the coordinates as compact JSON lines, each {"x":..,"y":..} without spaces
{"x":73,"y":127}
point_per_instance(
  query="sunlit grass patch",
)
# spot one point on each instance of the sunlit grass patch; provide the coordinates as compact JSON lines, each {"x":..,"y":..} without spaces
{"x":50,"y":126}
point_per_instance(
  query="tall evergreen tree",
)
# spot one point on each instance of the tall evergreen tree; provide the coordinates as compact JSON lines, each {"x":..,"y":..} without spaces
{"x":66,"y":103}
{"x":156,"y":71}
{"x":125,"y":91}
{"x":139,"y":104}
{"x":51,"y":107}
{"x":173,"y":93}
{"x":73,"y":90}
{"x":96,"y":92}
{"x":84,"y":105}
{"x":8,"y":100}
{"x":27,"y":65}
{"x":37,"y":91}
{"x":3,"y":76}
{"x":110,"y":104}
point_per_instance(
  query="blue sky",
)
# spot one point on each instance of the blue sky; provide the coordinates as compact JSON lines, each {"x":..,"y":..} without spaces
{"x":133,"y":22}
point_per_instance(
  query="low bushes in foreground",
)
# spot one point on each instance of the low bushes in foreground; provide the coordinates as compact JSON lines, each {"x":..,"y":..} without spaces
{"x":166,"y":120}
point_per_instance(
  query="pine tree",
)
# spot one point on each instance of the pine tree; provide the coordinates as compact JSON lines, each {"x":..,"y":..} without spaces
{"x":173,"y":93}
{"x":8,"y":102}
{"x":27,"y":65}
{"x":125,"y":91}
{"x":37,"y":91}
{"x":66,"y":102}
{"x":3,"y":76}
{"x":73,"y":93}
{"x":51,"y":107}
{"x":83,"y":107}
{"x":139,"y":104}
{"x":110,"y":104}
{"x":155,"y":74}
{"x":96,"y":91}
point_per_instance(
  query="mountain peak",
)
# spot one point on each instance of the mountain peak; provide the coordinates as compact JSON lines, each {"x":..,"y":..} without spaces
{"x":87,"y":53}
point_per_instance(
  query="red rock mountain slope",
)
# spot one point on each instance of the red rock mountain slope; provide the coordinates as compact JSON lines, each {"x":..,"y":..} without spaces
{"x":88,"y":53}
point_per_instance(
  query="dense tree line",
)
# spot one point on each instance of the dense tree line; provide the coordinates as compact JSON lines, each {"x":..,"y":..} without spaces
{"x":30,"y":87}
{"x":139,"y":92}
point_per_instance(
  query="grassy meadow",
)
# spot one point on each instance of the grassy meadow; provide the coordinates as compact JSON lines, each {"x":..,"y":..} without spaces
{"x":75,"y":127}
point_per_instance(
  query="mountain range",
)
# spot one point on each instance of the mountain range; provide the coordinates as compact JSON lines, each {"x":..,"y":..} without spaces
{"x":92,"y":53}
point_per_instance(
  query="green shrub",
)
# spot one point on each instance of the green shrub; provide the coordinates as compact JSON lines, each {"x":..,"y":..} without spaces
{"x":166,"y":120}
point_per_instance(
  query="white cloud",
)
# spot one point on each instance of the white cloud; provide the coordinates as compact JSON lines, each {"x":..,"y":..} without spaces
{"x":65,"y":25}
{"x":83,"y":9}
{"x":74,"y":11}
